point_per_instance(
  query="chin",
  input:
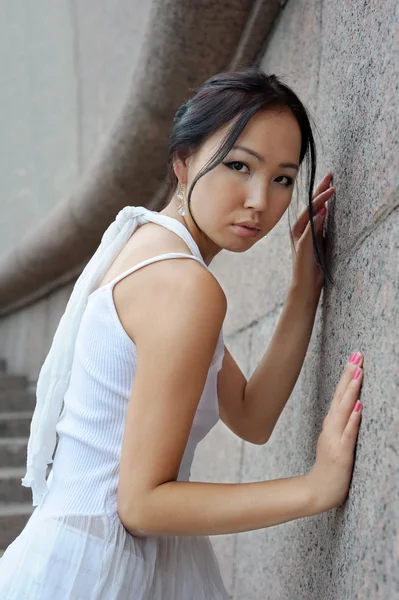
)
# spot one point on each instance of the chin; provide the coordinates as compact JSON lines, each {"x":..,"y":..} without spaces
{"x":240,"y":245}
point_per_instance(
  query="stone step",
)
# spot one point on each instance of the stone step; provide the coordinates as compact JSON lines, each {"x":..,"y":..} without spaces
{"x":11,"y":488}
{"x":15,"y":424}
{"x":13,"y":382}
{"x":13,"y":518}
{"x":13,"y":451}
{"x":15,"y":400}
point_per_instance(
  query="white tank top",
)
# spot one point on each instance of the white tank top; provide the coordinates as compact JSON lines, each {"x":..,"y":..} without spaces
{"x":85,"y":472}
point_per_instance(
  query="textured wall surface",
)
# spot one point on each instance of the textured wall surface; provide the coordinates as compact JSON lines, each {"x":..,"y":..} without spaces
{"x":339,"y":57}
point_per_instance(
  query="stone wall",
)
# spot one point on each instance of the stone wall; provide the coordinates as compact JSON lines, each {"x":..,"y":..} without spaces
{"x":339,"y":57}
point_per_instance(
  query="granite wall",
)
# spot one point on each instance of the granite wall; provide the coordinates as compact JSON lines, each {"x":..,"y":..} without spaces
{"x":341,"y":58}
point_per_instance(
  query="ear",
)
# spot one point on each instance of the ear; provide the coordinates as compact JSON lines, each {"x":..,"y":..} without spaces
{"x":180,"y":167}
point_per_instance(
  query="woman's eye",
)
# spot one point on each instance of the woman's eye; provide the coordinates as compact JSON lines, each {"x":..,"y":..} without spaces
{"x":236,"y":165}
{"x":289,"y":180}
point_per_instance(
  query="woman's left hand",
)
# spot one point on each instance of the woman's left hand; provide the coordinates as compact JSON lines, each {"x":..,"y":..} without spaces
{"x":306,"y":272}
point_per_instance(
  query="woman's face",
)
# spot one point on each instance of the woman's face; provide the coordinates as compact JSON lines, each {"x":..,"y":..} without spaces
{"x":250,"y":184}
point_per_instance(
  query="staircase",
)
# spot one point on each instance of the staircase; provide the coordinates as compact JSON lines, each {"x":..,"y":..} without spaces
{"x":16,"y":408}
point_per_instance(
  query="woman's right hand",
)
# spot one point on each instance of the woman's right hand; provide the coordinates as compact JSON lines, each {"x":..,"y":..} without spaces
{"x":330,"y":476}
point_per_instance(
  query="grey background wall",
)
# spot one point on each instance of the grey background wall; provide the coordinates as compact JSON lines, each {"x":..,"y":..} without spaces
{"x":63,"y":89}
{"x":66,"y":70}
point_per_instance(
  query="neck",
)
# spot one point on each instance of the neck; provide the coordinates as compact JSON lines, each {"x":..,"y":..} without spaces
{"x":206,"y":247}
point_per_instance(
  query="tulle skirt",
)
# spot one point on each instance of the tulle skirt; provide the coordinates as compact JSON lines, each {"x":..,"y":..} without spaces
{"x":93,"y":557}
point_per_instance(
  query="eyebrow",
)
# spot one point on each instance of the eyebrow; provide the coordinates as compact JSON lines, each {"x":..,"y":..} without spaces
{"x":287,"y":165}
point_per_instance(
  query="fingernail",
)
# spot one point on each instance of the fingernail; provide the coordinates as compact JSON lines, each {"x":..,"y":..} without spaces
{"x":351,"y":357}
{"x":356,"y":358}
{"x":357,"y":373}
{"x":357,"y":407}
{"x":322,"y":211}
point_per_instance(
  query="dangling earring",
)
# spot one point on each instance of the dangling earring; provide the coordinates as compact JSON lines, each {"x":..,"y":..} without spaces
{"x":180,"y":196}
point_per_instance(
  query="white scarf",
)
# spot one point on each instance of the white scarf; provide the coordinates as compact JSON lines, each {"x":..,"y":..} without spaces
{"x":55,"y":373}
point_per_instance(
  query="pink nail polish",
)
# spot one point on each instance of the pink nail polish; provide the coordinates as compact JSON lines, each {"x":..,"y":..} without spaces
{"x":357,"y":407}
{"x":356,"y":359}
{"x":351,"y":357}
{"x":357,"y":373}
{"x":322,"y":211}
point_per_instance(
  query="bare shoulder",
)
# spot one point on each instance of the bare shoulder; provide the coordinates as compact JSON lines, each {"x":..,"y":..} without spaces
{"x":178,"y":291}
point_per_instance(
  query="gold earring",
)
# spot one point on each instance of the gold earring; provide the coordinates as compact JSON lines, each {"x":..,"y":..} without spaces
{"x":180,"y":196}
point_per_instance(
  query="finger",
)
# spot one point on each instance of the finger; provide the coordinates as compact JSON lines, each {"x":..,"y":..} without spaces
{"x":351,"y":431}
{"x":319,"y":229}
{"x":348,"y":401}
{"x":319,"y":202}
{"x":323,"y":185}
{"x":347,"y":375}
{"x":317,"y":205}
{"x":318,"y":222}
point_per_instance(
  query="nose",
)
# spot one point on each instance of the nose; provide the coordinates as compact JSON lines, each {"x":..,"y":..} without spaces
{"x":257,"y":198}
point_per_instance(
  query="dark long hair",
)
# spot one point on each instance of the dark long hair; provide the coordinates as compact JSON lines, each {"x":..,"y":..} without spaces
{"x":237,"y":96}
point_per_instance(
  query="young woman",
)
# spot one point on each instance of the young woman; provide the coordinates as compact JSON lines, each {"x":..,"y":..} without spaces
{"x":139,"y":365}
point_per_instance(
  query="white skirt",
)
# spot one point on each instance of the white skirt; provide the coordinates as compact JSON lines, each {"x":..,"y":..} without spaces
{"x":93,"y":557}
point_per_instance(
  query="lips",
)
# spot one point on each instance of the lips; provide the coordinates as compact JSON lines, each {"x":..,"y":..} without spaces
{"x":245,"y":231}
{"x":249,"y":225}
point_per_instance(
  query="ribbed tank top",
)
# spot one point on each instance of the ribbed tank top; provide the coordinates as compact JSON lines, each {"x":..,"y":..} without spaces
{"x":85,"y":472}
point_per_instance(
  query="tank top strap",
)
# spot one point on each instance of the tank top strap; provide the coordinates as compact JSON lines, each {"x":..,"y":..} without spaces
{"x":173,"y":225}
{"x":146,"y":262}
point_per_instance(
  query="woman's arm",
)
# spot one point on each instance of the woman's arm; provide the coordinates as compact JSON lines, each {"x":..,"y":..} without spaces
{"x":175,"y":320}
{"x":196,"y":508}
{"x":251,"y":408}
